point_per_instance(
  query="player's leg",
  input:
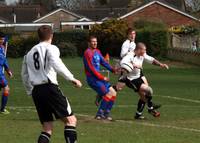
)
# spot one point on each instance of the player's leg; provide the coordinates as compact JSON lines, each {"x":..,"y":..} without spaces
{"x":4,"y":100}
{"x":149,"y":101}
{"x":147,"y":92}
{"x":112,"y":97}
{"x":70,"y":129}
{"x":41,"y":95}
{"x":46,"y":133}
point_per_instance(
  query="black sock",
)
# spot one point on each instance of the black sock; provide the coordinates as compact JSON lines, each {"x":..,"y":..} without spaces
{"x":44,"y":137}
{"x":70,"y":134}
{"x":149,"y":102}
{"x":140,"y":107}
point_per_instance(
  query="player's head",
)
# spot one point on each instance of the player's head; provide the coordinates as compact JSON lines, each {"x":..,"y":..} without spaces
{"x":92,"y":41}
{"x":140,"y":49}
{"x":131,"y":34}
{"x":45,"y":33}
{"x":2,"y":38}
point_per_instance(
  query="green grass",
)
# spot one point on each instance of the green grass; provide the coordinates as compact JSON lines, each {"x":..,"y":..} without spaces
{"x":176,"y":124}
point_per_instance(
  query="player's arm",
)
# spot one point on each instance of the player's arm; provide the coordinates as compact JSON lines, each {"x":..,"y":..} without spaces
{"x":105,"y":64}
{"x":88,"y":60}
{"x":124,"y":49}
{"x":6,"y":67}
{"x":25,"y":77}
{"x":154,"y":61}
{"x":58,"y":65}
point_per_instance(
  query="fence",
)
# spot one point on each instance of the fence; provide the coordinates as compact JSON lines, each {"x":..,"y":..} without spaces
{"x":184,"y":55}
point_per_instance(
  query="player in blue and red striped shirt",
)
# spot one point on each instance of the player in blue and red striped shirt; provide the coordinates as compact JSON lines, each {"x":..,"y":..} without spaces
{"x":3,"y":81}
{"x":93,"y":59}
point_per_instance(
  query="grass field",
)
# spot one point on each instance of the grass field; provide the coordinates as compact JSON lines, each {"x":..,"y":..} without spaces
{"x":178,"y":89}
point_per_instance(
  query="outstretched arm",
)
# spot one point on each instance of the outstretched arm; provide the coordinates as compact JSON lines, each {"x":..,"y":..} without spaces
{"x":59,"y":66}
{"x":158,"y":63}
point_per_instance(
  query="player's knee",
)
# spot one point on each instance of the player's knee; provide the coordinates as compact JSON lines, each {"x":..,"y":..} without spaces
{"x":71,"y":121}
{"x":149,"y":91}
{"x":6,"y":92}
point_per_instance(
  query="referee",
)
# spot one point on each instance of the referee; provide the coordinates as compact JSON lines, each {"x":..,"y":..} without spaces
{"x":39,"y":75}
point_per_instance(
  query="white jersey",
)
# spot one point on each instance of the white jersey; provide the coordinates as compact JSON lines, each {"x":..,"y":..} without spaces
{"x":132,"y":58}
{"x":41,"y":65}
{"x":127,"y":46}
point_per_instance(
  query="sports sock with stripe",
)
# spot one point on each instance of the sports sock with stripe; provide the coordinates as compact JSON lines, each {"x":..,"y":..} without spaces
{"x":70,"y":134}
{"x":4,"y":101}
{"x":103,"y":105}
{"x":44,"y":137}
{"x":140,"y":107}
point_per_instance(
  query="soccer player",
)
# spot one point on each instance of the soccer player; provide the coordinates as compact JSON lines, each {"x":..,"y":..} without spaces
{"x":134,"y":79}
{"x":39,"y":75}
{"x":3,"y":81}
{"x":93,"y":59}
{"x":129,"y":43}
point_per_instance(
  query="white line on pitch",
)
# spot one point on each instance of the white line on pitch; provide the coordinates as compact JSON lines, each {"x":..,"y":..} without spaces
{"x":150,"y":124}
{"x":181,"y":99}
{"x":170,"y":97}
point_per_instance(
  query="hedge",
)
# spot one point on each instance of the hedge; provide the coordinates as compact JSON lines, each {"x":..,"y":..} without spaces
{"x":71,"y":43}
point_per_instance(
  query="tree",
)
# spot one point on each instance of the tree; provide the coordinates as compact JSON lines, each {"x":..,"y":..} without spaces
{"x":193,"y":4}
{"x":75,"y":4}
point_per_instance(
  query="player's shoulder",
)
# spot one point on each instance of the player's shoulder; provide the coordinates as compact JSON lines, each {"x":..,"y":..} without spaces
{"x":126,"y":42}
{"x":87,"y":52}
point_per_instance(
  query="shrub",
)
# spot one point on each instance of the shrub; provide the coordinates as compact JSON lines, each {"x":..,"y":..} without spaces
{"x":111,"y":35}
{"x":155,"y":35}
{"x":67,"y":49}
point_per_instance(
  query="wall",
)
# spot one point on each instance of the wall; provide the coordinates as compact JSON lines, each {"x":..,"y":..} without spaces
{"x":184,"y":56}
{"x":161,"y":13}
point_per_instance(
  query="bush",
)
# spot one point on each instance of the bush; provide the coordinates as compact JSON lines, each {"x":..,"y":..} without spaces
{"x":111,"y":35}
{"x":67,"y":49}
{"x":71,"y":43}
{"x":155,"y":36}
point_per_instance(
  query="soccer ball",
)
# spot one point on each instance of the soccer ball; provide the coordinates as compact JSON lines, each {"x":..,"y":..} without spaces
{"x":127,"y":67}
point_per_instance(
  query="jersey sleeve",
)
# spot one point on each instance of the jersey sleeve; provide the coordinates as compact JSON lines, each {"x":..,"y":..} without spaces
{"x":148,"y":59}
{"x":25,"y":78}
{"x":124,"y":49}
{"x":88,"y":58}
{"x":5,"y":64}
{"x":55,"y":61}
{"x":104,"y":63}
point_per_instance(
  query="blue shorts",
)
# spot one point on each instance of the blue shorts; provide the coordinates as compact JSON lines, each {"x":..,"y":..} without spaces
{"x":3,"y":82}
{"x":101,"y":87}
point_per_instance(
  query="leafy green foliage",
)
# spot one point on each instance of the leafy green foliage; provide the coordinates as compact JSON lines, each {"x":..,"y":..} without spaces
{"x":155,"y":35}
{"x":111,"y":35}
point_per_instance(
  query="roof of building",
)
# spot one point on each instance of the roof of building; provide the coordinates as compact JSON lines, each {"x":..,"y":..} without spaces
{"x":24,"y":13}
{"x":162,"y":4}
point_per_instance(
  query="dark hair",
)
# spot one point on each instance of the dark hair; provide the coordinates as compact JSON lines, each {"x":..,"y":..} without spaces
{"x":44,"y":32}
{"x":139,"y":45}
{"x":130,"y":30}
{"x":91,"y":37}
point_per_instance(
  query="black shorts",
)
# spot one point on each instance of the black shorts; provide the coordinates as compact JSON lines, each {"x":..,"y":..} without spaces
{"x":134,"y":84}
{"x":50,"y":103}
{"x":123,"y":77}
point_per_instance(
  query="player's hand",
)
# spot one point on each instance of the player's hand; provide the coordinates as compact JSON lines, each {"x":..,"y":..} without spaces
{"x":77,"y":83}
{"x":10,"y":74}
{"x":106,"y":79}
{"x":165,"y":66}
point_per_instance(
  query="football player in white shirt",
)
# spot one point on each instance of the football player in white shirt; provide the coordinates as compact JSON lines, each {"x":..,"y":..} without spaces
{"x":39,"y":75}
{"x":129,"y":44}
{"x":133,"y":78}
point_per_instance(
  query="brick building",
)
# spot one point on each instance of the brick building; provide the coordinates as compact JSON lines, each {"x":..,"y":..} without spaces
{"x":159,"y":11}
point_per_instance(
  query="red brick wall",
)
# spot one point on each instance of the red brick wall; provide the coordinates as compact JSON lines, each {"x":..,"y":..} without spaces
{"x":161,"y":13}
